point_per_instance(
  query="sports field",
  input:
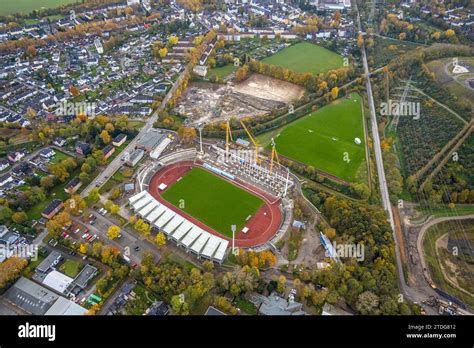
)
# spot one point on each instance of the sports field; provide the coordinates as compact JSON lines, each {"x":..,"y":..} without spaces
{"x":26,"y":6}
{"x":322,"y":138}
{"x":213,"y":201}
{"x":306,"y":57}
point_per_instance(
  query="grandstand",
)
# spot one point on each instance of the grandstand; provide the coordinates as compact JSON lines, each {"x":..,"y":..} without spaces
{"x":177,"y":228}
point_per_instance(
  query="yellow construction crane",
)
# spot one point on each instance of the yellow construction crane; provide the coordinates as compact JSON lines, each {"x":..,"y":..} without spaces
{"x":228,"y":137}
{"x":274,"y":156}
{"x":255,"y":144}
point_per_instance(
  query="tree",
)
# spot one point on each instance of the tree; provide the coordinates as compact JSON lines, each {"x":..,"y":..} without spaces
{"x":10,"y":270}
{"x":187,"y":135}
{"x":163,"y":52}
{"x":362,"y":190}
{"x":281,"y":285}
{"x":56,"y":224}
{"x":172,"y":40}
{"x":31,"y":51}
{"x":128,"y":11}
{"x":330,"y":232}
{"x":160,"y":239}
{"x":75,"y":205}
{"x":113,"y":232}
{"x":59,"y":171}
{"x":367,"y":303}
{"x":93,"y":196}
{"x":360,"y":40}
{"x":105,"y":136}
{"x":179,"y":306}
{"x":5,"y":214}
{"x":222,"y":303}
{"x":115,"y":193}
{"x":19,"y":217}
{"x":84,"y":248}
{"x":75,"y":92}
{"x":142,"y":227}
{"x":86,"y":168}
{"x":47,"y":182}
{"x":98,"y":155}
{"x":450,"y":33}
{"x":242,"y":73}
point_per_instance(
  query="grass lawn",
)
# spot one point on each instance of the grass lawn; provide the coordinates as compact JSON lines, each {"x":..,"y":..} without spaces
{"x":246,"y":306}
{"x":322,"y":138}
{"x":70,"y":268}
{"x":306,"y":57}
{"x":116,"y":180}
{"x":27,"y":6}
{"x":59,"y":156}
{"x":459,"y":209}
{"x":221,"y":72}
{"x":213,"y":201}
{"x":59,"y":193}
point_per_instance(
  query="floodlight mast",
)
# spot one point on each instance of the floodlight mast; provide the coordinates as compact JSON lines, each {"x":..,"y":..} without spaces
{"x":233,"y":228}
{"x":200,"y":128}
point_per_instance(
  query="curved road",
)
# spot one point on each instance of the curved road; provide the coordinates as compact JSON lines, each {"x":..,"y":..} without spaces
{"x":421,"y":235}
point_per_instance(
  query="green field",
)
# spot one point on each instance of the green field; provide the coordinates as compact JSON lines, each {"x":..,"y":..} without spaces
{"x":221,"y":72}
{"x":213,"y":201}
{"x":322,"y":138}
{"x":70,"y":268}
{"x":306,"y":57}
{"x":27,"y":6}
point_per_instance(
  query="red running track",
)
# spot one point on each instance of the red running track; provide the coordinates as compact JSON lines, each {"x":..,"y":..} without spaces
{"x":262,"y":226}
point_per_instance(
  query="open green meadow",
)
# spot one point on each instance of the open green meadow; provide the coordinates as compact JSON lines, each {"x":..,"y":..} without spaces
{"x":322,"y":138}
{"x":27,"y":6}
{"x":306,"y":57}
{"x":221,"y":72}
{"x":213,"y":201}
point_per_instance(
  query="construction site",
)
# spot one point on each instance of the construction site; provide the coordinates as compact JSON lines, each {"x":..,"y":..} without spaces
{"x":205,"y":102}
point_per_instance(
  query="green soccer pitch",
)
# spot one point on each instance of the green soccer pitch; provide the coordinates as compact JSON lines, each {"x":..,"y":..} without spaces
{"x":306,"y":57}
{"x":322,"y":138}
{"x":213,"y":201}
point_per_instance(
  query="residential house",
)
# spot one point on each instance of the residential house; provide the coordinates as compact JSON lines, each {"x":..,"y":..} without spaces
{"x":83,"y":148}
{"x":119,"y":140}
{"x":59,"y":142}
{"x":52,"y":209}
{"x":47,"y":153}
{"x":108,"y":151}
{"x":73,"y":185}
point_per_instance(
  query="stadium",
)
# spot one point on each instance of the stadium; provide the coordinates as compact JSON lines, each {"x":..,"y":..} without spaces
{"x":198,"y":205}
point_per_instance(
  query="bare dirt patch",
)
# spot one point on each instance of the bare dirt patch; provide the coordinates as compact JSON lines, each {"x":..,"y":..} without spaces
{"x":205,"y":102}
{"x":265,"y":87}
